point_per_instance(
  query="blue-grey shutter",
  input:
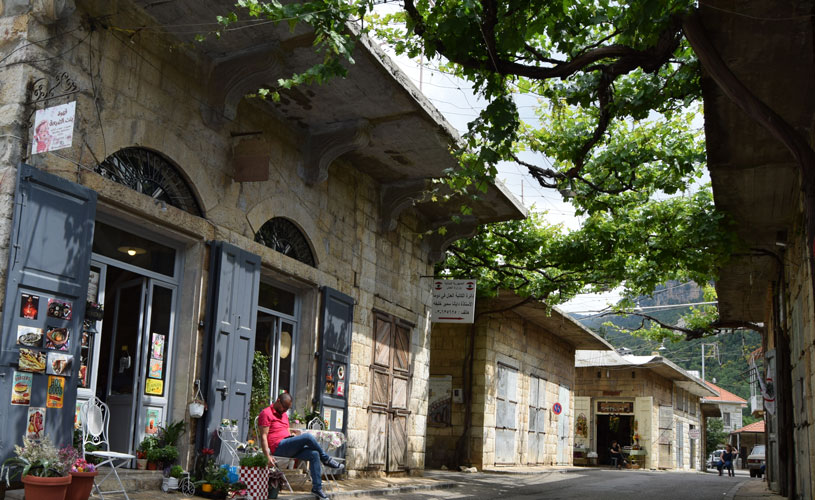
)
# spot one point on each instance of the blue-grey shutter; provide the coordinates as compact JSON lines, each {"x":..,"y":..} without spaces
{"x":49,"y":256}
{"x":335,"y":352}
{"x":234,"y":281}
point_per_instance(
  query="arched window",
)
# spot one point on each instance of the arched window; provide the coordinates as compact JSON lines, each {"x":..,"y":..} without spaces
{"x":283,"y":236}
{"x":150,"y":173}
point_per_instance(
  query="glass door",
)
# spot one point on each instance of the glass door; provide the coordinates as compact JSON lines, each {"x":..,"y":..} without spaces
{"x":154,"y":360}
{"x":124,"y":357}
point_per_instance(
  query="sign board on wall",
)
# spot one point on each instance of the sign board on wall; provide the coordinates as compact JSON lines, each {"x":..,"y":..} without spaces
{"x":694,"y":433}
{"x":615,"y":407}
{"x":53,"y":128}
{"x":453,"y":301}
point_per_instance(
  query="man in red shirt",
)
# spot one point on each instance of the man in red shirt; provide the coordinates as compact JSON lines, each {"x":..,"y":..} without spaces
{"x":277,"y":438}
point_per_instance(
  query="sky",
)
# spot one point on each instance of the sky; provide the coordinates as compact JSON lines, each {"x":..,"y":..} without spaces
{"x":455,"y":99}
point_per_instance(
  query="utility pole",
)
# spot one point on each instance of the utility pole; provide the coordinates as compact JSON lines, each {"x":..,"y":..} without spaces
{"x":715,"y":346}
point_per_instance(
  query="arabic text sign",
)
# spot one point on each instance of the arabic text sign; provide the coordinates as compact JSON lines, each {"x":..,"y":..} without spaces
{"x":53,"y":128}
{"x":453,"y":301}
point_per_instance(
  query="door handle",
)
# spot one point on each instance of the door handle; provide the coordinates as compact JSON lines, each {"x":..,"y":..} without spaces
{"x":224,"y":391}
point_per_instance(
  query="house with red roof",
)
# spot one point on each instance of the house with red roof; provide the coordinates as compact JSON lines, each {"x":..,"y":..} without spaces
{"x":745,"y":438}
{"x":730,"y":406}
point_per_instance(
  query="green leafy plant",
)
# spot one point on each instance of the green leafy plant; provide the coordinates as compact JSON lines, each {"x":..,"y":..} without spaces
{"x":276,"y":478}
{"x":261,"y":385}
{"x":176,"y":471}
{"x":254,"y":460}
{"x":36,"y":458}
{"x":169,"y":435}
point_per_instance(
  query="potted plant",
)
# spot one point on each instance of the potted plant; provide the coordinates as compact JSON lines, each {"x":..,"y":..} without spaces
{"x":44,"y":472}
{"x":276,"y":481}
{"x":147,"y":444}
{"x":154,"y":457}
{"x":255,"y":473}
{"x":82,"y":476}
{"x":171,"y":482}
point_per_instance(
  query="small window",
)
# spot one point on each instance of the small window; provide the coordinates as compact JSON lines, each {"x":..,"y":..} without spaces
{"x":283,"y":236}
{"x":726,"y":419}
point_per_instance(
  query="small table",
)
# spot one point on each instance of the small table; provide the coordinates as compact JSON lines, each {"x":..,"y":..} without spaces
{"x":328,"y":440}
{"x":636,"y":457}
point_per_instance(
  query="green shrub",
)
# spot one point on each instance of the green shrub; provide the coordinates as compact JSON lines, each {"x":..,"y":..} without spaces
{"x":176,"y":471}
{"x":255,"y":460}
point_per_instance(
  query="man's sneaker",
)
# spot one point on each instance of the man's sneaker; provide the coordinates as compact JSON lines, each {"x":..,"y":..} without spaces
{"x":333,"y":464}
{"x":319,"y":493}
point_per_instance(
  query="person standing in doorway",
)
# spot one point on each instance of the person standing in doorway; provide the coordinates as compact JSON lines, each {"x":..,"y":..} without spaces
{"x":276,"y":438}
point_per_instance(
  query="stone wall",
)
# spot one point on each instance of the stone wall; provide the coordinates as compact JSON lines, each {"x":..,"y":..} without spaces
{"x":143,"y":89}
{"x":509,"y":339}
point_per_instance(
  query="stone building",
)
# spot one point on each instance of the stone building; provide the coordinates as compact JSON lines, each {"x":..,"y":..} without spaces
{"x":759,"y":128}
{"x":729,"y":404}
{"x":210,"y":226}
{"x":640,"y":401}
{"x":518,"y":376}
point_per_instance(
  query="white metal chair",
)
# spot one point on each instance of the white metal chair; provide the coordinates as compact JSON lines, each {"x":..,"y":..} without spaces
{"x":95,"y":420}
{"x":289,"y":462}
{"x":329,"y":474}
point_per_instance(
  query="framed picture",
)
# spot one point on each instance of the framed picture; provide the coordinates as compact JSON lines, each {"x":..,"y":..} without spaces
{"x":57,"y":338}
{"x":56,"y":392}
{"x":21,"y":388}
{"x":31,"y":361}
{"x":59,"y":364}
{"x":29,"y":306}
{"x":157,"y":346}
{"x":152,"y":420}
{"x":153,"y":387}
{"x":35,"y":424}
{"x":60,"y":309}
{"x":155,"y":367}
{"x":29,"y":336}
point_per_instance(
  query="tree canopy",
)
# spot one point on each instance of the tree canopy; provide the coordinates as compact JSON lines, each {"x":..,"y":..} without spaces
{"x":618,"y":88}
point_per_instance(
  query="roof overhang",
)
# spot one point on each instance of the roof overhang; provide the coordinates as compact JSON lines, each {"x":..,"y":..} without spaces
{"x":657,"y":364}
{"x":710,"y":410}
{"x":551,"y":319}
{"x":769,"y":48}
{"x":375,"y":118}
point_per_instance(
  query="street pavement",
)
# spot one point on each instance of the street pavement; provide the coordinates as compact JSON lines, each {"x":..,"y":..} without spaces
{"x":527,"y":483}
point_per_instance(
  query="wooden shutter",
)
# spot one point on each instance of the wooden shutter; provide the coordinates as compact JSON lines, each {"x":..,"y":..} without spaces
{"x":234,"y":282}
{"x":335,"y":354}
{"x":49,"y":256}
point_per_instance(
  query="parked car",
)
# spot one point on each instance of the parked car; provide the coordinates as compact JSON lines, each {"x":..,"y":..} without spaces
{"x":714,"y":459}
{"x":756,"y":460}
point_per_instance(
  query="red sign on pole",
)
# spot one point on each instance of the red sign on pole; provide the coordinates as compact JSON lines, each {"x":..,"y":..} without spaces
{"x":557,"y":408}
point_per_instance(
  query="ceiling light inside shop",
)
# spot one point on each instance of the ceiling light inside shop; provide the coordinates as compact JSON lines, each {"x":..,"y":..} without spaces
{"x":132,"y":251}
{"x":285,"y":345}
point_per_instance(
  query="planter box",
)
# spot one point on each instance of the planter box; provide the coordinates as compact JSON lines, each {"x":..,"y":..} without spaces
{"x":256,"y":480}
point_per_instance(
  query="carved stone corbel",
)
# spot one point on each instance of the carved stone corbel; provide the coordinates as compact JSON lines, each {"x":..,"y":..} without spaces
{"x":326,"y":144}
{"x":231,"y":79}
{"x":438,"y":243}
{"x":396,"y":197}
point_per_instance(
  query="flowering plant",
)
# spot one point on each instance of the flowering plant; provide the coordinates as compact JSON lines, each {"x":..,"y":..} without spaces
{"x":39,"y":458}
{"x":80,"y":465}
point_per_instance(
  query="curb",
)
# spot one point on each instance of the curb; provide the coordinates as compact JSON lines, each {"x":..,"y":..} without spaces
{"x":392,"y":490}
{"x":532,"y":472}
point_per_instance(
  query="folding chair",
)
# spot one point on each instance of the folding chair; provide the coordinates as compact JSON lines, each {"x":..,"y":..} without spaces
{"x":95,"y":421}
{"x":278,"y":460}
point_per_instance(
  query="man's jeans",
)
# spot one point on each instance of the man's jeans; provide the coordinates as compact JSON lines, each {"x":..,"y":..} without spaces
{"x":305,"y":447}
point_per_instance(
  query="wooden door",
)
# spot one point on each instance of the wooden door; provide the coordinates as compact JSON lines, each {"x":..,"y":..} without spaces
{"x":391,"y":372}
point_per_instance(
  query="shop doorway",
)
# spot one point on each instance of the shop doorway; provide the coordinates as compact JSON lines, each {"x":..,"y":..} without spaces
{"x":126,"y":356}
{"x":612,"y":428}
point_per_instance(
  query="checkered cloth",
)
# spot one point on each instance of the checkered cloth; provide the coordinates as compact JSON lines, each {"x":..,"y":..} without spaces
{"x":257,"y":482}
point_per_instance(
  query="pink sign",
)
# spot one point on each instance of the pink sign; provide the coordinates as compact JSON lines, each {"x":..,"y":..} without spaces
{"x":53,"y":128}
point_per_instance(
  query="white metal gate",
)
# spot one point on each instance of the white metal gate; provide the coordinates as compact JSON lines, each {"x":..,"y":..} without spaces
{"x":536,"y":430}
{"x":506,"y":406}
{"x":564,"y":450}
{"x":680,"y":448}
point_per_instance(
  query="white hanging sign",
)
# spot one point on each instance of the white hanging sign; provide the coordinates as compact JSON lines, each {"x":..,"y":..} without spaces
{"x":53,"y":128}
{"x":453,"y":301}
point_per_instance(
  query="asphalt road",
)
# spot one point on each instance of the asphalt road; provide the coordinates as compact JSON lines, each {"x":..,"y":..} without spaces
{"x":592,"y":483}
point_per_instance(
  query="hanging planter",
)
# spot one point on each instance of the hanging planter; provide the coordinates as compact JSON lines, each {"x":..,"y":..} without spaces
{"x":197,"y":406}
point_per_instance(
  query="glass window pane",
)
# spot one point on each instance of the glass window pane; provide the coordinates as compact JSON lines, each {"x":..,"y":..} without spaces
{"x":125,"y":247}
{"x":160,"y":320}
{"x":276,"y":299}
{"x":284,"y":366}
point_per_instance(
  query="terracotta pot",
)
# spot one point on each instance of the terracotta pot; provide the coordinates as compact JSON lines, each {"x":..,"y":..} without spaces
{"x":141,"y":463}
{"x":206,"y":488}
{"x":46,"y":488}
{"x":81,"y":485}
{"x":151,"y":466}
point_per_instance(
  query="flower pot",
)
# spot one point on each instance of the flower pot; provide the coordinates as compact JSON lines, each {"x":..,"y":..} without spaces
{"x":196,"y":409}
{"x":81,"y":485}
{"x":169,"y":483}
{"x":273,"y":492}
{"x":256,"y":480}
{"x":206,"y":488}
{"x":151,"y":466}
{"x":46,"y":488}
{"x":141,"y":463}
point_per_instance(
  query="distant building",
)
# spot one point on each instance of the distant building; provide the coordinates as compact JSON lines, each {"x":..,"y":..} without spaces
{"x":646,"y":403}
{"x":730,"y":406}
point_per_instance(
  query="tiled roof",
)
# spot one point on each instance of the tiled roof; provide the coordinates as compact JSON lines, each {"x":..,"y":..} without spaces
{"x":754,"y":427}
{"x":724,"y":396}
